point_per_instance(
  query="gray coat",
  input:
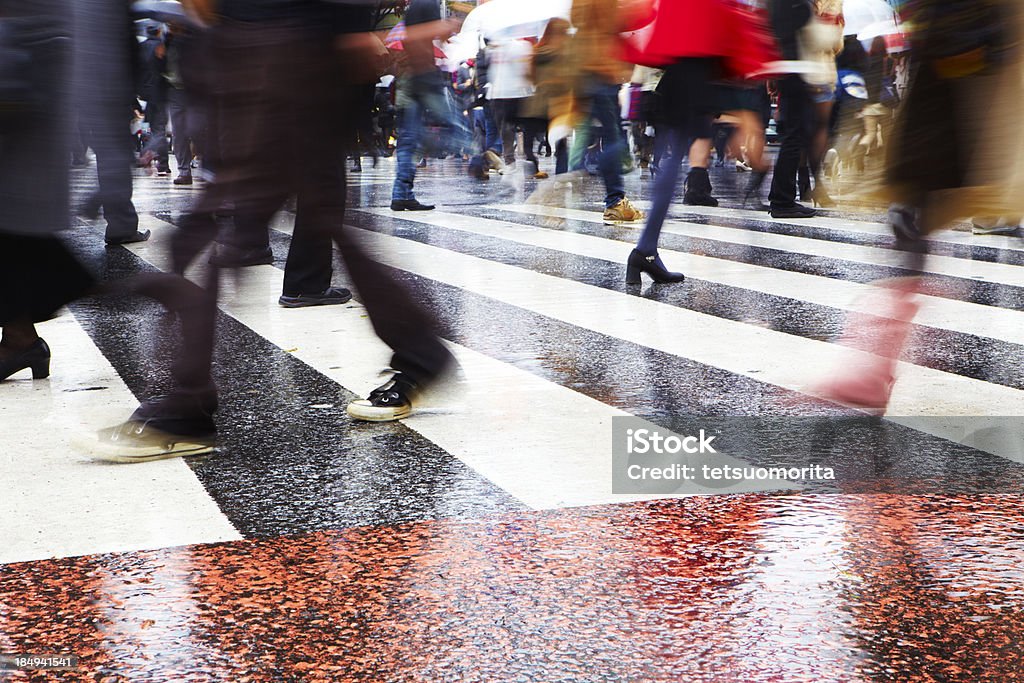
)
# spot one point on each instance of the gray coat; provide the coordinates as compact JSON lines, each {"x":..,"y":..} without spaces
{"x":34,"y":150}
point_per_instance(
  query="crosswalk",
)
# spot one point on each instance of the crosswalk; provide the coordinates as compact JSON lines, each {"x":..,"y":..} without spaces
{"x":551,"y":346}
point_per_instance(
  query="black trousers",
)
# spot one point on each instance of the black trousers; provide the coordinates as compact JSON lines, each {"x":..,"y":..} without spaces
{"x":280,"y":86}
{"x":797,"y":108}
{"x":105,"y":128}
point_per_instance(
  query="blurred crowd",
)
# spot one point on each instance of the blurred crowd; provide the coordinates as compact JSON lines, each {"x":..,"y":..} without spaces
{"x":260,"y":101}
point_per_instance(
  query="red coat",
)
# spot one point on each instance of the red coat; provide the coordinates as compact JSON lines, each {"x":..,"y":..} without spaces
{"x":660,"y":32}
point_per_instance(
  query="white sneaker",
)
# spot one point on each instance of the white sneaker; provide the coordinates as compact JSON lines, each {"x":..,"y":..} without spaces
{"x":135,"y":441}
{"x":999,"y":226}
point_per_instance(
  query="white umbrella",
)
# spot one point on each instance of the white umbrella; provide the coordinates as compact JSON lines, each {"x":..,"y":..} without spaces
{"x":504,"y":20}
{"x":862,"y":15}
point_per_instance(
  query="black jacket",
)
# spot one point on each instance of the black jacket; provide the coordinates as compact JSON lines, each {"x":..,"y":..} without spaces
{"x":788,"y":17}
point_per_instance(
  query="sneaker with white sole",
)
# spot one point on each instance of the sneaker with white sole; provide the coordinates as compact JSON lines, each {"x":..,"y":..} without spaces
{"x":170,"y":426}
{"x":1000,"y":226}
{"x":135,"y":441}
{"x":388,"y":402}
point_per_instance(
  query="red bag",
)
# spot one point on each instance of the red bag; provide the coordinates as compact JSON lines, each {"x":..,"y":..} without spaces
{"x":753,"y":45}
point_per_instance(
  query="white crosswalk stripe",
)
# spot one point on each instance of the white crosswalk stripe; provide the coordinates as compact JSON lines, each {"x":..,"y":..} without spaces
{"x":57,"y":502}
{"x":546,"y":444}
{"x":1001,"y":273}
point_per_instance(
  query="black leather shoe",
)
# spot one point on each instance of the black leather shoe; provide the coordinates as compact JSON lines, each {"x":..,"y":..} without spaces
{"x":329,"y":297}
{"x":794,"y":211}
{"x":227,"y":256}
{"x":409,"y":205}
{"x":36,"y":357}
{"x":639,"y":263}
{"x":139,"y":236}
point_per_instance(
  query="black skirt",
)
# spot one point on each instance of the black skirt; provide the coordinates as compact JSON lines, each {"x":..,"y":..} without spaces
{"x":687,"y":97}
{"x":38,"y":275}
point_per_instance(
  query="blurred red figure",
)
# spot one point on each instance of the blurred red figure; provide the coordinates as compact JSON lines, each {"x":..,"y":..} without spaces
{"x":960,"y":118}
{"x":697,"y":42}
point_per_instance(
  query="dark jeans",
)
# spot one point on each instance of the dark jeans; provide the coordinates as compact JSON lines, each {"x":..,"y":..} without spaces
{"x":604,"y":107}
{"x":797,"y":108}
{"x":506,"y":115}
{"x":532,"y":130}
{"x":280,"y":87}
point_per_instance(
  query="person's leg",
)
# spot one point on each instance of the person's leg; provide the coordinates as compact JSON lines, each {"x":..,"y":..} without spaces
{"x":410,"y":130}
{"x":180,"y":122}
{"x":795,"y":103}
{"x":664,"y":188}
{"x":109,"y":139}
{"x":507,"y":126}
{"x":605,"y":110}
{"x":156,"y":116}
{"x":562,"y":156}
{"x":492,"y":135}
{"x":698,"y":182}
{"x":644,"y":257}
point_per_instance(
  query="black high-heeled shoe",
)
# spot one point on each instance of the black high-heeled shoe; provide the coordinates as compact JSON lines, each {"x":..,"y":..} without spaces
{"x":36,"y":357}
{"x":638,"y":263}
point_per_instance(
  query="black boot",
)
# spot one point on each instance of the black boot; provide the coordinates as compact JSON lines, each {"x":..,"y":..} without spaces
{"x":697,"y":188}
{"x":752,"y":195}
{"x":652,"y":265}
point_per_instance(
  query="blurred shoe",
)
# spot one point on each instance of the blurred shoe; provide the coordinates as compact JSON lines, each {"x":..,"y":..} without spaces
{"x":36,"y":357}
{"x":388,"y":402}
{"x":477,"y":169}
{"x":752,"y":193}
{"x":903,"y":219}
{"x":540,"y":175}
{"x":697,"y":188}
{"x":163,"y":172}
{"x":423,"y":163}
{"x":183,"y":179}
{"x":794,"y":211}
{"x":228,"y":256}
{"x":409,"y":205}
{"x":494,"y":161}
{"x":357,"y":165}
{"x":742,"y":166}
{"x":821,"y":198}
{"x":329,"y":297}
{"x":145,"y":159}
{"x":166,"y":427}
{"x":622,"y":212}
{"x":867,"y":382}
{"x":1000,"y":226}
{"x":139,"y":236}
